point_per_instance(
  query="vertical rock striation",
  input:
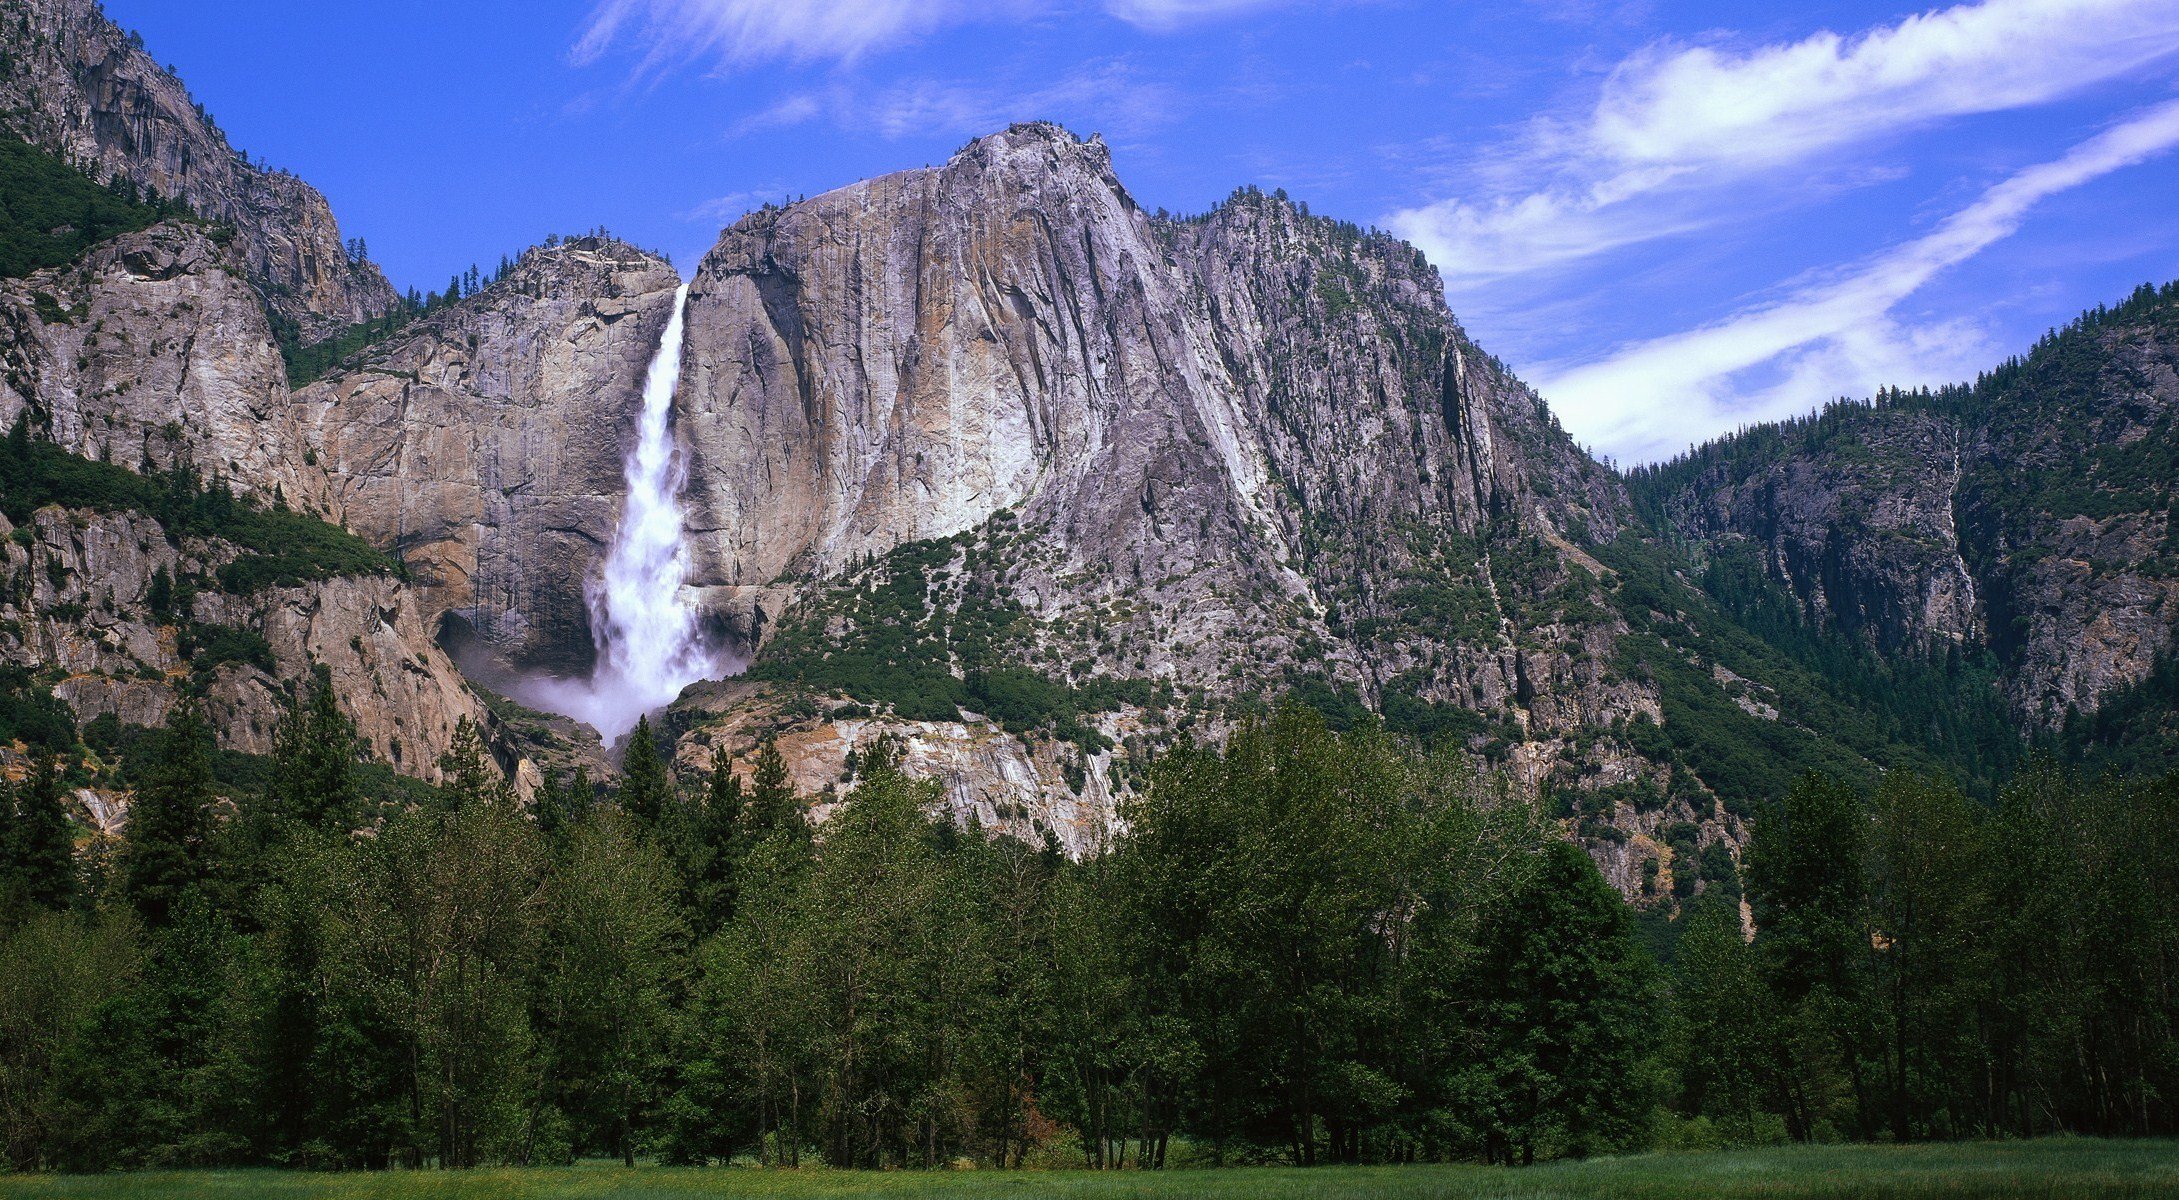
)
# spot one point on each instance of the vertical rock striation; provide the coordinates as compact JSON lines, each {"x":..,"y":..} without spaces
{"x":74,"y":83}
{"x":484,"y":443}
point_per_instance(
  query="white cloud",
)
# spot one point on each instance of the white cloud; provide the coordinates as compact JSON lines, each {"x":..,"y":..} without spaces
{"x":1170,"y":14}
{"x":798,"y":109}
{"x":739,"y":32}
{"x":720,"y":210}
{"x":1826,"y":339}
{"x":1675,"y":129}
{"x":1107,"y":90}
{"x":1700,"y":105}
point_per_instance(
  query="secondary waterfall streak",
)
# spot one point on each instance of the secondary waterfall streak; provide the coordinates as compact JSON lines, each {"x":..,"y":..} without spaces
{"x":648,"y":640}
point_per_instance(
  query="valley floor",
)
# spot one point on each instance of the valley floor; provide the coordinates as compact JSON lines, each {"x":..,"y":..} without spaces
{"x":2045,"y":1170}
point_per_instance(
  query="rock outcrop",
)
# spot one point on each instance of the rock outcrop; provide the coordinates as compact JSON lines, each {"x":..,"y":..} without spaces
{"x":78,"y":609}
{"x":993,"y":416}
{"x":485,"y":443}
{"x":74,"y":83}
{"x":2031,"y":515}
{"x":154,"y":349}
{"x":1243,"y":430}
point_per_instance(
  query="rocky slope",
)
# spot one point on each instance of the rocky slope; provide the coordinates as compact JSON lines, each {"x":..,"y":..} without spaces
{"x":2030,"y":515}
{"x":484,"y":443}
{"x":79,"y":614}
{"x":155,"y":349}
{"x":76,"y":84}
{"x":1243,"y":430}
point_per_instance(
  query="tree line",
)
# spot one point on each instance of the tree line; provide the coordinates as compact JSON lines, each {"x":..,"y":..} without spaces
{"x":1304,"y":946}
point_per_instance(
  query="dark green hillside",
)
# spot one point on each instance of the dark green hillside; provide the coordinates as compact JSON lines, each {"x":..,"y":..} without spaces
{"x":282,"y":546}
{"x":50,"y":212}
{"x":2052,"y":482}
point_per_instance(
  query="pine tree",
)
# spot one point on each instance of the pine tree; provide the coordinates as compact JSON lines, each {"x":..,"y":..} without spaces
{"x":774,"y":809}
{"x":169,"y":854}
{"x":41,"y":845}
{"x":315,"y":755}
{"x":1810,"y":901}
{"x":1566,"y":1002}
{"x":644,"y":786}
{"x":468,"y":776}
{"x":1727,"y":1029}
{"x":549,"y":808}
{"x":707,"y":840}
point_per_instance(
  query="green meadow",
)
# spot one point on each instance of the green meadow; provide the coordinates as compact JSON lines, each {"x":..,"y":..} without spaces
{"x":2045,"y":1170}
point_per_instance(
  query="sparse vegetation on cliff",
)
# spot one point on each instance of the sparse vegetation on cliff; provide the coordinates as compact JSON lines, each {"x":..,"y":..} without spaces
{"x":280,"y":547}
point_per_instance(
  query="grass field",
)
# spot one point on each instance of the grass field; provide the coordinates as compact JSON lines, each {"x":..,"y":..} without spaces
{"x":2045,"y":1170}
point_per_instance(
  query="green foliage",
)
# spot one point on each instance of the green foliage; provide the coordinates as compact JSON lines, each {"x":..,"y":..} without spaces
{"x":308,"y":362}
{"x":1931,"y":970}
{"x":644,"y":787}
{"x":1840,"y":710}
{"x":281,"y":547}
{"x":927,"y":632}
{"x":37,"y":842}
{"x":2134,"y":731}
{"x":1310,"y":946}
{"x":32,"y":714}
{"x":50,"y":212}
{"x":1566,"y":995}
{"x":168,"y":860}
{"x":315,"y":759}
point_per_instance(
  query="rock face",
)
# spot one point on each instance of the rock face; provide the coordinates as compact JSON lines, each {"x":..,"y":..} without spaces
{"x":78,"y":607}
{"x":76,"y":84}
{"x":485,"y":443}
{"x":2031,"y":515}
{"x":1243,"y":429}
{"x":993,"y":417}
{"x":154,"y":349}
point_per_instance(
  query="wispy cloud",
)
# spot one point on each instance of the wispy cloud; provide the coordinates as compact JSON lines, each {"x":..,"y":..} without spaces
{"x":723,"y":210}
{"x":1111,"y":90}
{"x":1833,"y":337}
{"x":1171,"y":14}
{"x":1674,"y":130}
{"x":740,"y":32}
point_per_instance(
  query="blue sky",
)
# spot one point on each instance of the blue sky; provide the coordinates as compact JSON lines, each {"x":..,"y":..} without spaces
{"x":1674,"y":219}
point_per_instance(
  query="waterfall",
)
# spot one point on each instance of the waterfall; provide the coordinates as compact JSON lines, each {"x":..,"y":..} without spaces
{"x":648,"y":641}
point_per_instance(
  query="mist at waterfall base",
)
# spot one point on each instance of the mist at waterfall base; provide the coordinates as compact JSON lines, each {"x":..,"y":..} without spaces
{"x":650,"y":640}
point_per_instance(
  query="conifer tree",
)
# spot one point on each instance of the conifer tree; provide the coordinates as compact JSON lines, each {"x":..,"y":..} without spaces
{"x":315,"y":755}
{"x":713,"y":844}
{"x":41,"y":846}
{"x":644,"y":786}
{"x":169,"y":854}
{"x":773,"y":807}
{"x":468,"y":775}
{"x":1566,"y":1002}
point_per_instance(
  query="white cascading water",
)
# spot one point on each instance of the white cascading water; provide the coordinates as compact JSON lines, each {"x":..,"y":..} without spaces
{"x":648,"y":640}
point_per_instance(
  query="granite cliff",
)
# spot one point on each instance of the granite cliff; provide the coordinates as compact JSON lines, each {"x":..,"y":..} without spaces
{"x":986,"y":456}
{"x":2029,"y":516}
{"x":74,"y":83}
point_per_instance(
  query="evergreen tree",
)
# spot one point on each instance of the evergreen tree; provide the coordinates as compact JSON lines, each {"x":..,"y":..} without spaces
{"x":645,"y":788}
{"x":169,"y":853}
{"x":469,"y":777}
{"x":611,"y":954}
{"x":1564,"y":1005}
{"x":1928,"y":923}
{"x":1727,"y":1026}
{"x":40,"y":841}
{"x":710,"y":845}
{"x":314,"y":761}
{"x":1809,"y":896}
{"x":773,"y":807}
